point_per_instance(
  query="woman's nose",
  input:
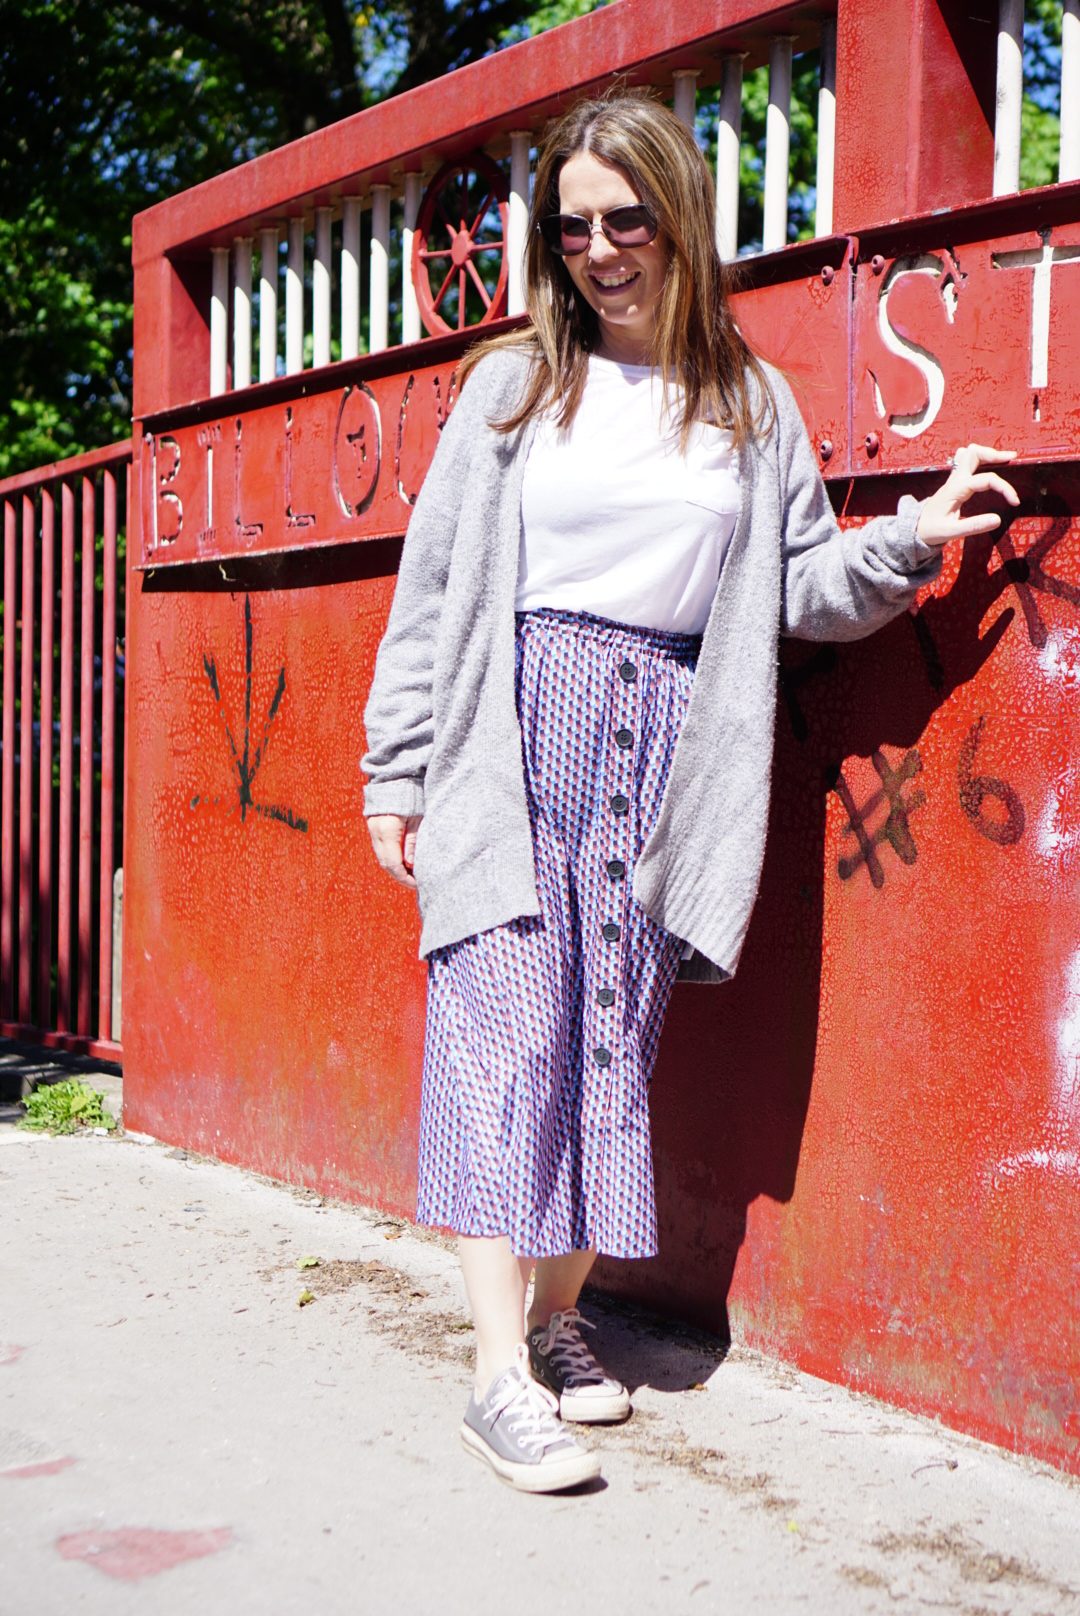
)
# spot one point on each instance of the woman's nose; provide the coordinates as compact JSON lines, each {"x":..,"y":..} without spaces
{"x":600,"y":248}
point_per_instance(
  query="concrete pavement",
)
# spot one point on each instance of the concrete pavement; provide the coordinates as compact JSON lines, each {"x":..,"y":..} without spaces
{"x":178,"y":1434}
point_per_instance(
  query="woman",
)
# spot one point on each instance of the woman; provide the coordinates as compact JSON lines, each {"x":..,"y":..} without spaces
{"x":623,"y":513}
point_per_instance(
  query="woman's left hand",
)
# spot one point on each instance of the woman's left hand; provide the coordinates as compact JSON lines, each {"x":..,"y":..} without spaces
{"x":940,"y":519}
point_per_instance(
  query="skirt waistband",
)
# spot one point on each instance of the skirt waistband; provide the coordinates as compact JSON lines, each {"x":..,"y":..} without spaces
{"x":605,"y":631}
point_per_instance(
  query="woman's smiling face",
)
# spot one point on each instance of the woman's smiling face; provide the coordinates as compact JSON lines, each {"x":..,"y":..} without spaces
{"x":622,"y":284}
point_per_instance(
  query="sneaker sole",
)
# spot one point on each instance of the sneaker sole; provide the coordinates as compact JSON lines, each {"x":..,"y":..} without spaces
{"x":594,"y":1410}
{"x":553,"y":1476}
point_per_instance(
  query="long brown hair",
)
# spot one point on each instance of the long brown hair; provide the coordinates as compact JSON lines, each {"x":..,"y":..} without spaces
{"x":697,"y":345}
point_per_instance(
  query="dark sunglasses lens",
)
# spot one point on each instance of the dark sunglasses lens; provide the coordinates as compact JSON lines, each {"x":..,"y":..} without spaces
{"x":565,"y":233}
{"x":630,"y":227}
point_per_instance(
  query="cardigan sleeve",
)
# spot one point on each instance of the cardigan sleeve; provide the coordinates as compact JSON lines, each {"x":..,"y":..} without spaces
{"x":839,"y":584}
{"x":398,"y":716}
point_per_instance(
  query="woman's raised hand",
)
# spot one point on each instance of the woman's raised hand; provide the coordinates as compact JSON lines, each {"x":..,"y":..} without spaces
{"x":394,"y":841}
{"x":940,"y":519}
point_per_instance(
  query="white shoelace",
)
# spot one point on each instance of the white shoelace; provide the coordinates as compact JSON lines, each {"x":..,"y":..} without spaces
{"x":562,"y":1343}
{"x":529,"y":1410}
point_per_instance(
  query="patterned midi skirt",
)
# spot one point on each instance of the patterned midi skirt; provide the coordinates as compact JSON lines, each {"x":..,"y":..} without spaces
{"x":542,"y":1033}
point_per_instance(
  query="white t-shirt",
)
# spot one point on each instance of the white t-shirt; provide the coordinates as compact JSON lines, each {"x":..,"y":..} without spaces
{"x":615,"y":519}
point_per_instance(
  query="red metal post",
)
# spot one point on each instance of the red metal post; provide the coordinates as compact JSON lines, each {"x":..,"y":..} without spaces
{"x":7,"y":806}
{"x":44,"y":938}
{"x":26,"y":763}
{"x":170,"y":324}
{"x":936,"y":65}
{"x":67,"y":667}
{"x":108,"y":723}
{"x":86,"y":758}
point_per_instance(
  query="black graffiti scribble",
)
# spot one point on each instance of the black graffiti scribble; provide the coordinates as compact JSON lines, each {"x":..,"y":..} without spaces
{"x":245,"y":762}
{"x":894,"y":829}
{"x":946,"y":626}
{"x":1030,"y":577}
{"x":975,"y":788}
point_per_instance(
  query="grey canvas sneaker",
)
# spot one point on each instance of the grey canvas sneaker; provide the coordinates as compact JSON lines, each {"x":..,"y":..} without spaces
{"x":514,"y":1429}
{"x":560,"y":1360}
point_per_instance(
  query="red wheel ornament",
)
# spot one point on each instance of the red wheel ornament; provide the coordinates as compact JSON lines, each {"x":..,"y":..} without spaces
{"x":459,"y":264}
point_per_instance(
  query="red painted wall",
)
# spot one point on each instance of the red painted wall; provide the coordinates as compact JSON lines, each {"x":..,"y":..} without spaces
{"x":276,"y":1002}
{"x":868,"y":1145}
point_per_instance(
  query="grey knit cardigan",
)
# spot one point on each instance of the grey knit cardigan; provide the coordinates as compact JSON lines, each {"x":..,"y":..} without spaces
{"x":442,"y":729}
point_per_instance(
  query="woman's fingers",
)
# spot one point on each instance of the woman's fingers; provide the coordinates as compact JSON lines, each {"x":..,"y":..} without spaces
{"x":408,"y":846}
{"x":394,"y":842}
{"x":982,"y":452}
{"x":964,"y":526}
{"x":989,"y":481}
{"x":940,"y":519}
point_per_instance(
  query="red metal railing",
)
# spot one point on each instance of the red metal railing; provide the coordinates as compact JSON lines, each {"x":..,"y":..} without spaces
{"x":59,"y":843}
{"x":353,"y":191}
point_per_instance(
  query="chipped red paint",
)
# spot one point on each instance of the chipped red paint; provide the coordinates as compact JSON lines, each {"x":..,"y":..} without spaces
{"x":9,"y":1353}
{"x":133,"y":1552}
{"x":868,"y":1145}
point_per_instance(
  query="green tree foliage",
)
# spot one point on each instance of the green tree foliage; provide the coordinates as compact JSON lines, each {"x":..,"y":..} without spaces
{"x":549,"y":14}
{"x":1040,"y":125}
{"x":803,"y":157}
{"x":105,"y":108}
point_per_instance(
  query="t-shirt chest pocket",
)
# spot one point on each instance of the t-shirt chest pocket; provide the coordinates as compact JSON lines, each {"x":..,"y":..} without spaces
{"x":711,"y":490}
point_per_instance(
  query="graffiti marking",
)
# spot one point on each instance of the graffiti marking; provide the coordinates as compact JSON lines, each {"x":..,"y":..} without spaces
{"x":1029,"y":577}
{"x":894,"y":829}
{"x":244,"y":762}
{"x":975,"y":788}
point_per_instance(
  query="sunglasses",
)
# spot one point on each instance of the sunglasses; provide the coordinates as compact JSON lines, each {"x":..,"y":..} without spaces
{"x":570,"y":233}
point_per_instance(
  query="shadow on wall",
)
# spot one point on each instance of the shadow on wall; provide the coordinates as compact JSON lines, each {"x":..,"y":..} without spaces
{"x":732,"y":1086}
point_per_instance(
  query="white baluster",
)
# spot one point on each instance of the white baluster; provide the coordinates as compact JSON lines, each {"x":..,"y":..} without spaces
{"x":777,"y":144}
{"x":728,"y":144}
{"x":1069,"y":155}
{"x":268,"y":284}
{"x":1010,"y":96}
{"x":242,"y":312}
{"x":517,"y":226}
{"x":379,"y":279}
{"x":410,"y":308}
{"x":294,"y":299}
{"x":219,"y":319}
{"x":686,"y":95}
{"x":320,"y":289}
{"x":350,"y":277}
{"x":826,"y":130}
